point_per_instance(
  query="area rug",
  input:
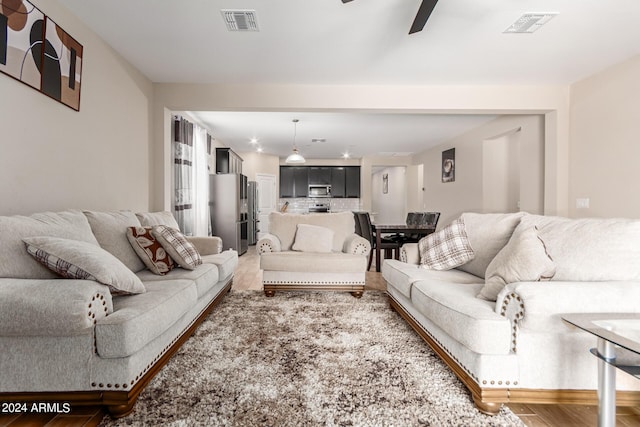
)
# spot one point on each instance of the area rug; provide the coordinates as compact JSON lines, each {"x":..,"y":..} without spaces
{"x":305,"y":359}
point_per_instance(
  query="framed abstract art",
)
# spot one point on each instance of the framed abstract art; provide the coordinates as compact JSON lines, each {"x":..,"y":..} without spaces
{"x":37,"y":52}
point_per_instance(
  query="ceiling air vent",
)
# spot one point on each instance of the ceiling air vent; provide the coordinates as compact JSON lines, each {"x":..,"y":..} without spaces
{"x":240,"y":20}
{"x":530,"y":22}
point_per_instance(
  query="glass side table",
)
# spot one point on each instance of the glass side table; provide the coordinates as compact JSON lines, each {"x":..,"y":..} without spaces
{"x":618,"y":336}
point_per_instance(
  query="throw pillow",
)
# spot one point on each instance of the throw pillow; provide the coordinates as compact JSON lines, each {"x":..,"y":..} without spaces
{"x":523,"y":259}
{"x":448,"y":248}
{"x":158,"y":218}
{"x":154,"y":256}
{"x":73,"y":259}
{"x":313,"y":238}
{"x":178,"y":247}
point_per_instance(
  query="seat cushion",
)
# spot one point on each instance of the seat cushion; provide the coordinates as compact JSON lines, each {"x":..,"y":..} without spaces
{"x":402,"y":276}
{"x":226,"y":262}
{"x":469,"y":320}
{"x":205,"y":277}
{"x":138,"y":319}
{"x":313,"y":262}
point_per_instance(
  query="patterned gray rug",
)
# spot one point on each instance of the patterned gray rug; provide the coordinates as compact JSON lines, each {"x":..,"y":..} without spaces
{"x":303,"y":359}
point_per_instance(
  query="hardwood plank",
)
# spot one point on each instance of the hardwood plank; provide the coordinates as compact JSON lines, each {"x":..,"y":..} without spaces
{"x":69,"y":420}
{"x":534,"y":421}
{"x":6,"y":419}
{"x":32,"y":420}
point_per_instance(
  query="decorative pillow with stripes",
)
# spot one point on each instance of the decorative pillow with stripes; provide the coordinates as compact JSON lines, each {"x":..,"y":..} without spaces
{"x":177,"y":246}
{"x":448,"y":248}
{"x":150,"y":251}
{"x":73,"y":259}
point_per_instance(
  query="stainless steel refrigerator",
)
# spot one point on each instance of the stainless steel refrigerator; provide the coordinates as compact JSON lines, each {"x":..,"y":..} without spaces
{"x":228,"y":206}
{"x":253,"y":221}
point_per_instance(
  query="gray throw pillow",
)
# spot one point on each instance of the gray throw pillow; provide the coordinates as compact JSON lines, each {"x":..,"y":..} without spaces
{"x":73,"y":259}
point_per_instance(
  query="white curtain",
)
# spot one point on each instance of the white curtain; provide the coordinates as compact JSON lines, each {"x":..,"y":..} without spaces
{"x":191,"y":178}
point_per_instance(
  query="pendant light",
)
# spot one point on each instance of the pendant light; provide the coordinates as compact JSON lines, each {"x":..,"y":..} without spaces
{"x":295,"y":157}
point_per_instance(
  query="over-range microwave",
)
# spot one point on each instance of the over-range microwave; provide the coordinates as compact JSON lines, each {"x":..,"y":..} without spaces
{"x":319,"y":191}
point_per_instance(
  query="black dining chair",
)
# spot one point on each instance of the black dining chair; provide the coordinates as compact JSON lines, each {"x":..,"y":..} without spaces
{"x":366,"y":231}
{"x":419,"y":219}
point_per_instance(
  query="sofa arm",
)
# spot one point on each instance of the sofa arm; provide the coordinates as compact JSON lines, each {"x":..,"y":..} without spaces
{"x":356,"y":245}
{"x":206,"y":245}
{"x":268,"y":243}
{"x":51,"y":307}
{"x":539,"y":306}
{"x":410,"y":254}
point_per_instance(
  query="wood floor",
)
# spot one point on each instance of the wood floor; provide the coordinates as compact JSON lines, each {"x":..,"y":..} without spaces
{"x":249,"y":277}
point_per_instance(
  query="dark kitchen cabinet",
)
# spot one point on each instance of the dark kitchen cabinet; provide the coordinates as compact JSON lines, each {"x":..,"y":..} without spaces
{"x":227,"y":161}
{"x":294,"y":181}
{"x":352,"y":181}
{"x":338,"y":182}
{"x":319,"y":175}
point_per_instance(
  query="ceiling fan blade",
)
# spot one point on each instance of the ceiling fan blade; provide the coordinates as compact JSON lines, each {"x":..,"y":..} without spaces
{"x":346,"y":1}
{"x":423,"y":14}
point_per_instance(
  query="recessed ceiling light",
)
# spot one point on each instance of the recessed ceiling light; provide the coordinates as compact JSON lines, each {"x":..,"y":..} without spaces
{"x":345,"y":155}
{"x":259,"y":149}
{"x":254,"y":140}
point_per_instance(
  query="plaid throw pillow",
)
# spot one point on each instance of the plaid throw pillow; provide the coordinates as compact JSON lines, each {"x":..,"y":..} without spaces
{"x":178,"y":247}
{"x":154,"y":256}
{"x":448,"y":248}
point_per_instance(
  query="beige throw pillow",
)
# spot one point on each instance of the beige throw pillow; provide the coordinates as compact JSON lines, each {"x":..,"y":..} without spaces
{"x":177,"y":246}
{"x":523,"y":259}
{"x":313,"y":238}
{"x":448,"y":248}
{"x":73,"y":259}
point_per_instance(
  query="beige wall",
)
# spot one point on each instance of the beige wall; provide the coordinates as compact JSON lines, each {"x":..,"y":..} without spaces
{"x":54,"y":158}
{"x":605,"y":142}
{"x":552,"y":101}
{"x":255,"y":163}
{"x":466,"y":193}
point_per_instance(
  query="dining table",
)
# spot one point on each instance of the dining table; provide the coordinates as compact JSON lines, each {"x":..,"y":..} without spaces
{"x":380,"y":229}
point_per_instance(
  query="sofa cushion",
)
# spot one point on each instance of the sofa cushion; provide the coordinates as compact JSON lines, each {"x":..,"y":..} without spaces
{"x":149,"y":250}
{"x":110,"y":229}
{"x":16,"y":262}
{"x":226,"y":262}
{"x":205,"y":276}
{"x":523,"y":259}
{"x":73,"y":259}
{"x":313,"y":262}
{"x":402,"y":276}
{"x":469,"y":320}
{"x":448,"y":248}
{"x":158,"y":218}
{"x":138,"y":319}
{"x":313,"y":238}
{"x":177,"y":245}
{"x":591,"y":249}
{"x":284,"y":226}
{"x":487,"y":233}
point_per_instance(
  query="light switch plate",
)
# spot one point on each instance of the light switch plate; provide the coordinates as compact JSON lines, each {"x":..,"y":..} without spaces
{"x":582,"y":203}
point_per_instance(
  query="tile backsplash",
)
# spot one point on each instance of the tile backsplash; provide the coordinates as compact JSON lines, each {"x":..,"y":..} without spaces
{"x":301,"y":205}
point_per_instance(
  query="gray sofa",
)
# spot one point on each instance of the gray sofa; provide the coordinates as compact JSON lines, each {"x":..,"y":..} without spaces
{"x":328,"y":257}
{"x":510,"y":344}
{"x":72,"y":340}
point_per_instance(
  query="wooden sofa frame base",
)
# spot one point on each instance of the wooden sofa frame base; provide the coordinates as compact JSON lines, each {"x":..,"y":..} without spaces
{"x":118,"y":403}
{"x":270,"y":289}
{"x":489,"y":400}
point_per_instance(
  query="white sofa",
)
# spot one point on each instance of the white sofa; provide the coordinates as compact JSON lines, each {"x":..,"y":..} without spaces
{"x":72,"y":341}
{"x":290,"y":262}
{"x":517,"y":348}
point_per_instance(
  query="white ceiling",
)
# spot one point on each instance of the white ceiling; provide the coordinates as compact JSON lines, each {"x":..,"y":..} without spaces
{"x":361,"y":42}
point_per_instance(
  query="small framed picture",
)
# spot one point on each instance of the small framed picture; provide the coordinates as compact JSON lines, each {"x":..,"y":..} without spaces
{"x":385,"y":183}
{"x":449,"y":165}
